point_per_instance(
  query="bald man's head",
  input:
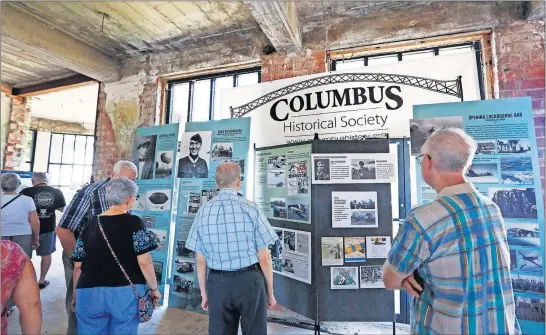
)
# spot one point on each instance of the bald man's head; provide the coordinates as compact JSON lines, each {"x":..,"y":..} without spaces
{"x":228,"y":175}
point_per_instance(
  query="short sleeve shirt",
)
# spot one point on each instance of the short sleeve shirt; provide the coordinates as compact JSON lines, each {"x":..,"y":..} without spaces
{"x":47,"y":199}
{"x":128,"y":237}
{"x":15,"y":215}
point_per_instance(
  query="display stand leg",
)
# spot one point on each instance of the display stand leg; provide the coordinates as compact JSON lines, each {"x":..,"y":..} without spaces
{"x":394,"y":325}
{"x":317,"y":328}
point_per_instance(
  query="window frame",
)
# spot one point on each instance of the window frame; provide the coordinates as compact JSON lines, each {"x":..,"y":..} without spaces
{"x":476,"y":46}
{"x":60,"y":164}
{"x":33,"y":133}
{"x":212,"y":77}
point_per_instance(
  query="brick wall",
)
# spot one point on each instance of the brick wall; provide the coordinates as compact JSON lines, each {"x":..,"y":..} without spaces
{"x":276,"y":66}
{"x":520,"y":57}
{"x":19,"y":123}
{"x":106,"y":145}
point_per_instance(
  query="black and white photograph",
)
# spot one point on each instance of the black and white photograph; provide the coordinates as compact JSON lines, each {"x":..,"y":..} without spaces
{"x":299,"y":167}
{"x":276,"y":251}
{"x":158,"y":200}
{"x":158,"y":269}
{"x":523,"y":234}
{"x":421,"y":129}
{"x":140,"y":202}
{"x":298,"y":185}
{"x":278,"y":207}
{"x":365,"y":218}
{"x":344,"y":278}
{"x":149,"y":221}
{"x":298,"y":209}
{"x":515,"y":202}
{"x":182,"y":251}
{"x":332,"y":250}
{"x":530,"y":309}
{"x":207,"y":195}
{"x":378,"y":246}
{"x":517,"y":170}
{"x":184,"y":266}
{"x":527,"y":284}
{"x":143,"y":156}
{"x":303,"y":244}
{"x":322,"y":169}
{"x":371,"y":276}
{"x":483,"y":173}
{"x":164,"y":165}
{"x":183,"y":286}
{"x":222,"y":151}
{"x":519,"y":146}
{"x":276,"y":178}
{"x":288,"y":265}
{"x":195,"y":155}
{"x":160,"y":238}
{"x":362,"y":169}
{"x":289,"y":241}
{"x":276,"y":162}
{"x":194,"y":202}
{"x":513,"y":260}
{"x":530,"y":261}
{"x":487,"y":147}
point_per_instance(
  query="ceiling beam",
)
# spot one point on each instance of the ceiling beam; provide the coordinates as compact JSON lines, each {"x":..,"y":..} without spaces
{"x":22,"y":30}
{"x":535,"y":10}
{"x":53,"y":86}
{"x":279,"y":22}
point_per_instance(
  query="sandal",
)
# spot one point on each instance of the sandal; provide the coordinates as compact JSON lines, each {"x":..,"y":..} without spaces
{"x":43,"y":285}
{"x":10,"y":310}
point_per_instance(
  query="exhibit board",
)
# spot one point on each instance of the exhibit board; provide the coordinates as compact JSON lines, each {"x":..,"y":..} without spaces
{"x":154,"y":154}
{"x":505,"y":169}
{"x":314,"y":281}
{"x":354,"y":230}
{"x":203,"y":147}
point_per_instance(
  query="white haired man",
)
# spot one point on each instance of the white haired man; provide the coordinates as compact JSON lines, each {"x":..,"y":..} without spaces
{"x":231,"y":237}
{"x":87,"y":203}
{"x":47,"y":200}
{"x":452,"y":254}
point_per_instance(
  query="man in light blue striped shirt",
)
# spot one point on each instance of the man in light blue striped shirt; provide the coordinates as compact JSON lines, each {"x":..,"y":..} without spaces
{"x":230,"y":236}
{"x":452,"y":254}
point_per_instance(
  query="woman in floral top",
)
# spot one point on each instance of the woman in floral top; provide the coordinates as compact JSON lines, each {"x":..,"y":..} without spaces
{"x":19,"y":283}
{"x":104,"y":301}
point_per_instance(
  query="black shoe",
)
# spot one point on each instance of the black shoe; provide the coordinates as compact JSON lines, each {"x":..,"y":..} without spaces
{"x":43,"y":285}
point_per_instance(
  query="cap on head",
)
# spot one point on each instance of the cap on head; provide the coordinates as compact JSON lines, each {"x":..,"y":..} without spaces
{"x":196,"y":138}
{"x":145,"y":143}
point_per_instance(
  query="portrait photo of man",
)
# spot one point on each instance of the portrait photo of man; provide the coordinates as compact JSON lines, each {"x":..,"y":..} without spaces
{"x":195,"y":164}
{"x":143,"y":156}
{"x":322,"y":169}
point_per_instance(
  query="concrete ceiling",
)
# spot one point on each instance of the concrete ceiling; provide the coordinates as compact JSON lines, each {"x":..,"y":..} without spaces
{"x":43,"y":41}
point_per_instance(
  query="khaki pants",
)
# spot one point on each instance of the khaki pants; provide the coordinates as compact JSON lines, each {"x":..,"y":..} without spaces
{"x":68,"y":271}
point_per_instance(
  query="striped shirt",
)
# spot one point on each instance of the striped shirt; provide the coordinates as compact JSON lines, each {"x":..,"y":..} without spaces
{"x":228,"y":231}
{"x":458,"y":245}
{"x":87,"y":203}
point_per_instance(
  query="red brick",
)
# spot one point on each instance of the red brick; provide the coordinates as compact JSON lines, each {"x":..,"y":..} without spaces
{"x":539,"y":132}
{"x":539,"y":121}
{"x":532,"y":84}
{"x":537,"y":72}
{"x":538,"y":103}
{"x":508,"y":85}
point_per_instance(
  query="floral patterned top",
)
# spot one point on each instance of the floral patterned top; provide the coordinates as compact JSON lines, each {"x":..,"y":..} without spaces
{"x":128,"y":237}
{"x":14,"y":260}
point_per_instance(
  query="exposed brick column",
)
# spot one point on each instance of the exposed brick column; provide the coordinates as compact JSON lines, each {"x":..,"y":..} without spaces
{"x":106,"y":149}
{"x":277,"y":66}
{"x":520,"y":55}
{"x":19,"y":123}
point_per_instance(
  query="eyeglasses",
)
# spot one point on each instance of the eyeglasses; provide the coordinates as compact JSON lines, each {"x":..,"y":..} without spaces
{"x":421,"y":157}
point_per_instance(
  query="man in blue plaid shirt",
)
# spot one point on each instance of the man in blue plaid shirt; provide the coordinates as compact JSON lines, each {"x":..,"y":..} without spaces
{"x":230,"y":236}
{"x":452,"y":254}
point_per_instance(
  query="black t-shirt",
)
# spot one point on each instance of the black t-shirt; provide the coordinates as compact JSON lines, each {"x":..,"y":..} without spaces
{"x":47,"y":200}
{"x":127,"y":236}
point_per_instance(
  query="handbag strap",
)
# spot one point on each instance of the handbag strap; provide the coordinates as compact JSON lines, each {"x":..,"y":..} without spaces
{"x":116,"y":258}
{"x":9,"y":202}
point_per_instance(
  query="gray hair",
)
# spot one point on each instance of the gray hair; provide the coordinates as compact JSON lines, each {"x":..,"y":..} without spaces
{"x":124,"y":164}
{"x":40,"y":176}
{"x":119,"y":190}
{"x":227,"y":175}
{"x":10,"y":182}
{"x":450,"y":149}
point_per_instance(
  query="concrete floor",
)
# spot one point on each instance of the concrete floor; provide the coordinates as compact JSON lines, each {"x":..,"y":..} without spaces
{"x":165,"y":320}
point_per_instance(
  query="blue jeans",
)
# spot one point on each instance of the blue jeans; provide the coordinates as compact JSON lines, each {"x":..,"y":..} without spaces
{"x":108,"y":310}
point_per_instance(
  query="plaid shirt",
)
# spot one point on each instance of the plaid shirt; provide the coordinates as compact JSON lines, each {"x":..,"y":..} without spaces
{"x":229,"y":230}
{"x":88,"y":202}
{"x":458,"y":245}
